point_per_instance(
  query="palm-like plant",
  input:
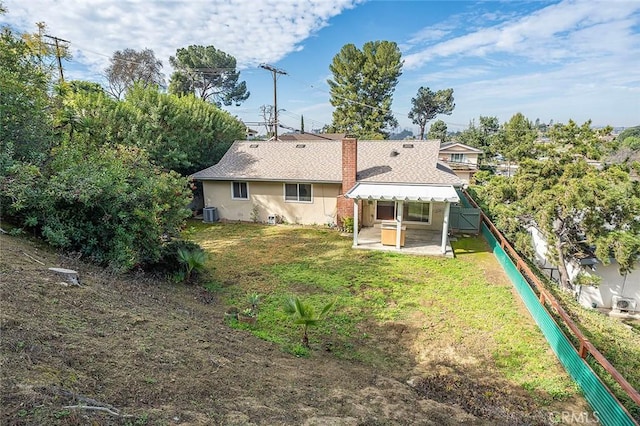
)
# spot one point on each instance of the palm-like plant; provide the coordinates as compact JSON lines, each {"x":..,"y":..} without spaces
{"x":192,"y":260}
{"x":304,"y":314}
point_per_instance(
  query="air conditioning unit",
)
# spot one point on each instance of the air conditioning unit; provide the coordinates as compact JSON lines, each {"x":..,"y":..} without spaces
{"x":210,"y":214}
{"x":624,"y":304}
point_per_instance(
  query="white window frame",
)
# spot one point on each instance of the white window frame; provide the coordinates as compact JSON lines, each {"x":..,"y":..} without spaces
{"x":458,"y":157}
{"x":298,"y":200}
{"x":233,"y":195}
{"x":405,"y":211}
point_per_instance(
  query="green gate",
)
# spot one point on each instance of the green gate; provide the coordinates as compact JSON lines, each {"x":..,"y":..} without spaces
{"x":464,"y":219}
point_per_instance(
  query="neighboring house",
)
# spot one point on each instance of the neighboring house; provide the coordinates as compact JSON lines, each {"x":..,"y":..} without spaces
{"x":250,"y":132}
{"x":325,"y":181}
{"x":617,"y":292}
{"x":461,"y":158}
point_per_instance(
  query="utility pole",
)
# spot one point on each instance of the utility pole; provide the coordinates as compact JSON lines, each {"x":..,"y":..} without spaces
{"x":58,"y":54}
{"x":275,"y":71}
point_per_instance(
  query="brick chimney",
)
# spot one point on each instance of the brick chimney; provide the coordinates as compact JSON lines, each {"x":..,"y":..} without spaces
{"x":349,"y":170}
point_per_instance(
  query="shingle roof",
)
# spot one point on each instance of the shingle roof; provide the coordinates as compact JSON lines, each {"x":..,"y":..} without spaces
{"x":320,"y":161}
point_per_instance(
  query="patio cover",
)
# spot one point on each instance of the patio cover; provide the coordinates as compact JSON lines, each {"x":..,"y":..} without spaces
{"x":403,"y":192}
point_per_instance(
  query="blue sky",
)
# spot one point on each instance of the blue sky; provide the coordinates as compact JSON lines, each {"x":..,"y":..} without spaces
{"x":550,"y":60}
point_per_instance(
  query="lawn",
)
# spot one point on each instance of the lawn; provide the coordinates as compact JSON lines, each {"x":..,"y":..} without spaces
{"x":410,"y":340}
{"x":429,"y":315}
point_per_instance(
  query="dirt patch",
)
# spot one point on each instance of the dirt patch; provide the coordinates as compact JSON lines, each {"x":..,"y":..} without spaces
{"x":135,"y":351}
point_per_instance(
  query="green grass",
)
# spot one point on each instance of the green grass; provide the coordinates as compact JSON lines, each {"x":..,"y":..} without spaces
{"x":465,"y":303}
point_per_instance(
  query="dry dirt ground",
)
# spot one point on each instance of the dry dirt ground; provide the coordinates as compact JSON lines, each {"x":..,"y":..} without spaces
{"x":134,"y":352}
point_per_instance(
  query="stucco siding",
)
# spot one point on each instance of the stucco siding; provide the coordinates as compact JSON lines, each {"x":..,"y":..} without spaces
{"x":268,"y":197}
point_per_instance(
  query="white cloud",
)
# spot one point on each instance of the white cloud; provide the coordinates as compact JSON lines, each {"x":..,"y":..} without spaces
{"x":252,"y":31}
{"x":551,"y":27}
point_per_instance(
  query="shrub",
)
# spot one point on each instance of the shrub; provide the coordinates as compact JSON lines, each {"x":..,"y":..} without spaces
{"x":347,"y":224}
{"x":109,"y":203}
{"x":192,"y":260}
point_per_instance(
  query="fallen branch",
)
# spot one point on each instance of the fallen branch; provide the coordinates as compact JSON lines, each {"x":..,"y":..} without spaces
{"x":81,"y":398}
{"x":95,"y":408}
{"x":33,"y":258}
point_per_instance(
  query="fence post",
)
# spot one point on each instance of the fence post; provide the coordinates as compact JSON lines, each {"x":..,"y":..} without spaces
{"x":583,"y":351}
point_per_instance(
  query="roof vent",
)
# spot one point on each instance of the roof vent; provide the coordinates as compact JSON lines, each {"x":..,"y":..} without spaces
{"x":407,"y":145}
{"x":300,"y":145}
{"x":253,"y":145}
{"x":394,"y":153}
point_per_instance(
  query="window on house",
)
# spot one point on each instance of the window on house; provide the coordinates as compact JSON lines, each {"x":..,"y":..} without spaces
{"x":297,"y":192}
{"x":417,"y":212}
{"x":411,"y":212}
{"x":457,"y":158}
{"x":239,"y":191}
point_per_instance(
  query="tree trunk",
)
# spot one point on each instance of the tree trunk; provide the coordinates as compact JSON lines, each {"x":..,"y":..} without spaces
{"x":562,"y":267}
{"x":422,"y":131}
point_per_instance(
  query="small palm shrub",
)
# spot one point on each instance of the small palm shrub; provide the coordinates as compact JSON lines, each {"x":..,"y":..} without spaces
{"x":304,"y":314}
{"x":192,"y":260}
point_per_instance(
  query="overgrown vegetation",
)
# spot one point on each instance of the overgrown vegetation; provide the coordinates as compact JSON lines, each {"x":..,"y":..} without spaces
{"x":578,"y":207}
{"x":96,"y":176}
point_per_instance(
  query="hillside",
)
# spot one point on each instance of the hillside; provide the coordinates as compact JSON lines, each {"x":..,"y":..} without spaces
{"x":141,"y":352}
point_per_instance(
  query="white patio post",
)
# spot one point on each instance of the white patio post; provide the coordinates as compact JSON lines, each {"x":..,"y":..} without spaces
{"x":399,"y":208}
{"x":445,"y":227}
{"x":355,"y":222}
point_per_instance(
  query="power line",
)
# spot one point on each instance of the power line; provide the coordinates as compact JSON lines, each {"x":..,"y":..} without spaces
{"x":58,"y":54}
{"x":274,"y":71}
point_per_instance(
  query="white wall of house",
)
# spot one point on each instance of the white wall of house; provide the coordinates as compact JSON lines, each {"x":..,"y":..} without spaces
{"x":458,"y":154}
{"x":269,"y":199}
{"x":612,"y":283}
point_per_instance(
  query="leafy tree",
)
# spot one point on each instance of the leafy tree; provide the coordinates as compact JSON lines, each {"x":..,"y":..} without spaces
{"x":208,"y":73}
{"x":583,"y":140}
{"x":573,"y":204}
{"x":304,"y":314}
{"x":628,"y":132}
{"x":362,"y":89}
{"x":438,"y":130}
{"x":515,"y":141}
{"x":482,"y":136}
{"x":428,"y":104}
{"x":184,"y":134}
{"x":25,"y":120}
{"x":130,"y":67}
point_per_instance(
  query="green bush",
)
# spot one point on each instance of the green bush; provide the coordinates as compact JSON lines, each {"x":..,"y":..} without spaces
{"x":347,"y":224}
{"x":169,"y":262}
{"x":109,"y":203}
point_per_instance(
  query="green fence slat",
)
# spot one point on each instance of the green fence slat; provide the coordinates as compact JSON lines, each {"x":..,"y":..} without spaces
{"x":606,"y":407}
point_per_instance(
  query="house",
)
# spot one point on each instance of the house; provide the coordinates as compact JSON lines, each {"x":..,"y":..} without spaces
{"x":618,"y":293}
{"x":461,"y":158}
{"x":326,"y":181}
